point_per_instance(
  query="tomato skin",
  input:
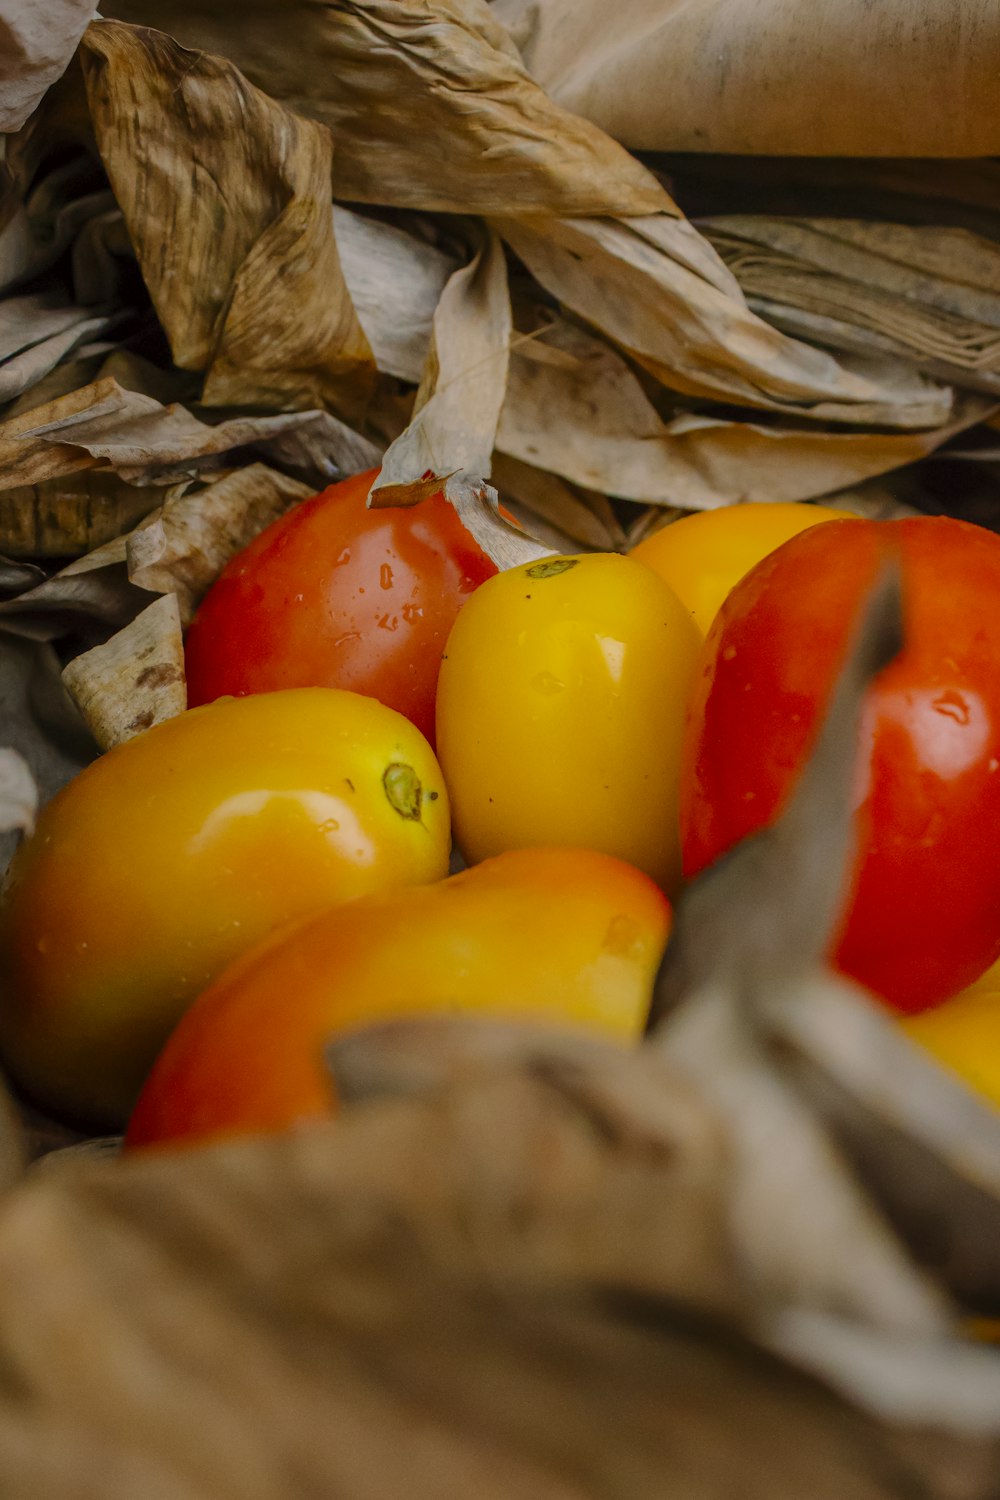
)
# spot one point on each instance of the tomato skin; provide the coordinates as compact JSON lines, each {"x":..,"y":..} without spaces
{"x":175,"y":852}
{"x":560,"y":712}
{"x":491,"y":941}
{"x":924,"y":919}
{"x":704,"y":556}
{"x":335,"y":595}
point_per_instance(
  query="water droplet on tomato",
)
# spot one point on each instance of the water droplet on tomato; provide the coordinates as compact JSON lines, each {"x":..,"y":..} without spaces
{"x":547,"y":683}
{"x":953,"y":706}
{"x":385,"y":576}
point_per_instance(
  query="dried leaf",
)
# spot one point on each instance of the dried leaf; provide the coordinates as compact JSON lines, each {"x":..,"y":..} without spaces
{"x":36,"y":44}
{"x":462,"y":387}
{"x":249,"y":1306}
{"x":559,"y":513}
{"x":182,"y":548}
{"x":233,"y":232}
{"x":135,"y":680}
{"x":18,"y":793}
{"x":432,"y":107}
{"x":650,"y":287}
{"x":771,"y":76}
{"x":575,"y":408}
{"x":63,"y":517}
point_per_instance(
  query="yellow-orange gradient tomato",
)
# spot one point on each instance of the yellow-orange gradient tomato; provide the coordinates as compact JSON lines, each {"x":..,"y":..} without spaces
{"x":964,"y":1036}
{"x":561,"y":936}
{"x":560,"y":711}
{"x":704,"y":556}
{"x":174,"y":853}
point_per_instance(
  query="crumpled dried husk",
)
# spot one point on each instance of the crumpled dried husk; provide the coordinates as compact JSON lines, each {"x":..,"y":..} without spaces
{"x":524,"y":1322}
{"x":18,"y":793}
{"x":904,"y":78}
{"x":135,"y":680}
{"x":926,"y":293}
{"x":235,"y":240}
{"x":36,"y":44}
{"x":647,"y":280}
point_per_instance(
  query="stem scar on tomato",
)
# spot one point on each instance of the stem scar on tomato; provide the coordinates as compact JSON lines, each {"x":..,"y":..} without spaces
{"x":403,"y":790}
{"x":551,"y":568}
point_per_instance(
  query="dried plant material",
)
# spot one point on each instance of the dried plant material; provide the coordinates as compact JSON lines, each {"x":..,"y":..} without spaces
{"x":87,"y":600}
{"x":233,"y":231}
{"x":249,"y":1305}
{"x":18,"y":793}
{"x":649,"y":286}
{"x":320,"y":451}
{"x":432,"y":107}
{"x":772,"y":76}
{"x":395,"y":282}
{"x":575,"y":408}
{"x":462,"y":388}
{"x":924,"y":293}
{"x":36,"y":44}
{"x":63,"y":517}
{"x":183,"y":548}
{"x":578,"y":517}
{"x":38,"y":722}
{"x":135,"y":680}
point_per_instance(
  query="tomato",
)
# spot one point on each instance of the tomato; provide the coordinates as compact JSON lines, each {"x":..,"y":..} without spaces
{"x":560,"y":711}
{"x":491,"y":941}
{"x":173,"y":853}
{"x":924,"y":918}
{"x":963,"y":1035}
{"x":705,"y":555}
{"x":335,"y":595}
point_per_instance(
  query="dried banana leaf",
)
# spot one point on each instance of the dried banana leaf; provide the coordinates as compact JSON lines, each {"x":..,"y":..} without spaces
{"x":648,"y":280}
{"x":36,"y":44}
{"x":18,"y":793}
{"x":296,"y":1314}
{"x":232,"y":230}
{"x":134,"y":680}
{"x":905,"y":78}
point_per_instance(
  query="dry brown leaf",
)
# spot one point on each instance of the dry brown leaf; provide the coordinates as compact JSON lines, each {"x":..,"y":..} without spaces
{"x":135,"y":680}
{"x":18,"y":793}
{"x":906,"y":78}
{"x":431,"y":107}
{"x":182,"y":548}
{"x":36,"y":44}
{"x":462,"y":385}
{"x":62,"y":517}
{"x":558,"y":513}
{"x":649,"y":286}
{"x":232,"y":230}
{"x":295,"y":1315}
{"x":575,"y":408}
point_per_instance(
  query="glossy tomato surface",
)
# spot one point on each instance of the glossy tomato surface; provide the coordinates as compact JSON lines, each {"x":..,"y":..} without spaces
{"x":924,"y":919}
{"x":178,"y":850}
{"x":561,"y":711}
{"x":704,"y":556}
{"x":335,"y":595}
{"x":564,"y":937}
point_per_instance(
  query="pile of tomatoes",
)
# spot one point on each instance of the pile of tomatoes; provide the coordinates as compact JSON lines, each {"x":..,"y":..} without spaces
{"x":205,"y":907}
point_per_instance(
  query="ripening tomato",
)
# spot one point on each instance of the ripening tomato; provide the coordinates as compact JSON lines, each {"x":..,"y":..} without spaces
{"x":552,"y":935}
{"x":924,"y":919}
{"x":174,"y":852}
{"x":704,"y":556}
{"x":335,"y":595}
{"x":561,"y":709}
{"x":963,"y":1035}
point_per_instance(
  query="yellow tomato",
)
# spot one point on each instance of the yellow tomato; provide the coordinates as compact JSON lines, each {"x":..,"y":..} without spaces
{"x":704,"y":556}
{"x":987,"y":983}
{"x":172,"y":854}
{"x":964,"y":1036}
{"x":560,"y":712}
{"x":248,"y":1055}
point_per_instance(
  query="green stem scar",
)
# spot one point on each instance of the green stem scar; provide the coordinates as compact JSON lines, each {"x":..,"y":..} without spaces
{"x":403,"y":790}
{"x":552,"y":567}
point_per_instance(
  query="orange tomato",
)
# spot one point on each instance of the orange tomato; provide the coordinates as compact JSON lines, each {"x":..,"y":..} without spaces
{"x":554,"y":935}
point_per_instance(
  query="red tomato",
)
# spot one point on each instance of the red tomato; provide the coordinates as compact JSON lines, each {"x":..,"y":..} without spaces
{"x":336,"y":595}
{"x":924,"y":919}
